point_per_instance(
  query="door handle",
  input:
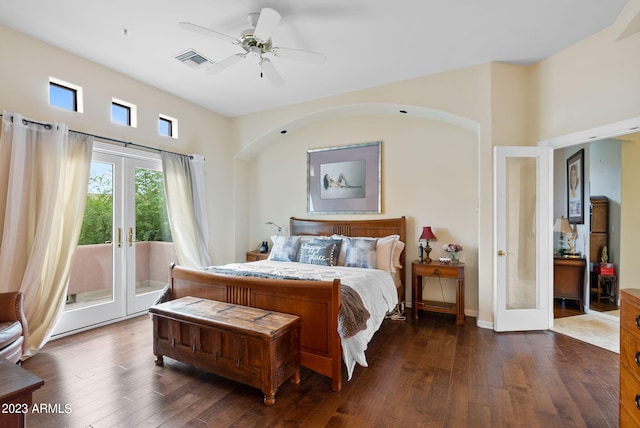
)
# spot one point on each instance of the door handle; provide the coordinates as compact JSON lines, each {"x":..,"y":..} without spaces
{"x":501,"y":253}
{"x":119,"y":237}
{"x":131,"y":238}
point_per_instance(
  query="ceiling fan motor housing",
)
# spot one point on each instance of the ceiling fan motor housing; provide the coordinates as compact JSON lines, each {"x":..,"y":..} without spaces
{"x":249,"y":41}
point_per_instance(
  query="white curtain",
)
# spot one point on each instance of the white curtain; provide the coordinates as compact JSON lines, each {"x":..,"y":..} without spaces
{"x":44,"y":171}
{"x":185,"y":192}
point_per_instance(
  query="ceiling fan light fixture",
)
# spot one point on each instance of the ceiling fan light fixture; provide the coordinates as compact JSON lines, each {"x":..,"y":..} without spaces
{"x":254,"y":52}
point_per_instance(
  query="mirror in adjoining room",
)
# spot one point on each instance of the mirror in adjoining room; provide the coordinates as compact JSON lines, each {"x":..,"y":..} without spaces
{"x":587,"y":236}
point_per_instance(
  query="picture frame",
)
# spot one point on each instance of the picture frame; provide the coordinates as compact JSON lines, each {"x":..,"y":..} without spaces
{"x":344,"y":179}
{"x":575,"y":188}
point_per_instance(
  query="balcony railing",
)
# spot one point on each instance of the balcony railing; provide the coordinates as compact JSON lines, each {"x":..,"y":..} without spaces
{"x":92,"y":269}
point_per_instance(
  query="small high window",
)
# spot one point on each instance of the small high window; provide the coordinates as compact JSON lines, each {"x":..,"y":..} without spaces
{"x":168,"y":126}
{"x":123,"y":113}
{"x":65,"y":95}
{"x":120,"y":114}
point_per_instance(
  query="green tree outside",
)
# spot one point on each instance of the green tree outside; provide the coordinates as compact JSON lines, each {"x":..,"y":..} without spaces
{"x":152,"y":221}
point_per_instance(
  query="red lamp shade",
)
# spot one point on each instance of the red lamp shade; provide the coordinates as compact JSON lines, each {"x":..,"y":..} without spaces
{"x":427,"y":234}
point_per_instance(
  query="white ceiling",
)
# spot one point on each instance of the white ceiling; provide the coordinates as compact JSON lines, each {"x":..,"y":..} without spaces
{"x":367,"y":42}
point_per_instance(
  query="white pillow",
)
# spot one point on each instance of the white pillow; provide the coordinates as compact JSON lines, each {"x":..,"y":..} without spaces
{"x":384,"y":253}
{"x":388,"y":252}
{"x":397,"y":250}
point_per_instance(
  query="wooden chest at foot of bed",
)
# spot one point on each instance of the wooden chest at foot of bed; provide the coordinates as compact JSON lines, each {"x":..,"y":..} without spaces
{"x":249,"y":345}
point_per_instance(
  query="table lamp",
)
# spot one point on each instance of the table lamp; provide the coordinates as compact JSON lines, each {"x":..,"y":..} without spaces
{"x":427,"y":235}
{"x":562,"y":225}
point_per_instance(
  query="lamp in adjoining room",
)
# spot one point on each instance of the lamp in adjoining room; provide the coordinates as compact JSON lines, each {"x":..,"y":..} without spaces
{"x":562,"y":225}
{"x":427,"y":235}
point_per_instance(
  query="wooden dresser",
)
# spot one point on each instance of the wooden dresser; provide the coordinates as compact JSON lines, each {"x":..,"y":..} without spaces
{"x":630,"y":357}
{"x":599,"y":237}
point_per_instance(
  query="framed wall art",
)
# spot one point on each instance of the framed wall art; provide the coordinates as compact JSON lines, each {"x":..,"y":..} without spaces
{"x":344,"y":179}
{"x":575,"y":188}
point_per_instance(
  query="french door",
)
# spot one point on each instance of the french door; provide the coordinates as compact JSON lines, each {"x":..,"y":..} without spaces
{"x":123,"y":255}
{"x":523,"y":289}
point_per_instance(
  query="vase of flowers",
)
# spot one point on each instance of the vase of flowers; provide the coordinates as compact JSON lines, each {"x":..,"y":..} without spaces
{"x":453,"y":250}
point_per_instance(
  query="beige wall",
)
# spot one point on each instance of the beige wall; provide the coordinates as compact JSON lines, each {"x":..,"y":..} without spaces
{"x":429,"y":171}
{"x":591,"y":84}
{"x":24,"y":88}
{"x":629,"y":209}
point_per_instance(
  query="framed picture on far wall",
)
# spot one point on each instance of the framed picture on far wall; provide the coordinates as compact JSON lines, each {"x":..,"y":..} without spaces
{"x":344,"y":179}
{"x":575,"y":187}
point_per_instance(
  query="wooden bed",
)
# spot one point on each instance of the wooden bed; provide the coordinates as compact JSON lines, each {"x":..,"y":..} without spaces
{"x":316,"y":302}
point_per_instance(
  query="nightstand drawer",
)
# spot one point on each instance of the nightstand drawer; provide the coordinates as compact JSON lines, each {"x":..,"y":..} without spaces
{"x":443,"y":270}
{"x":254,"y":256}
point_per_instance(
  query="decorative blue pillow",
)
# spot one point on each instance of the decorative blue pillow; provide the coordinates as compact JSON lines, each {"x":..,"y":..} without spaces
{"x":361,"y":253}
{"x":320,"y":252}
{"x":285,"y":249}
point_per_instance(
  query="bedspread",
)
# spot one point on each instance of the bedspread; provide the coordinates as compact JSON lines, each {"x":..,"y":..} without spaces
{"x":375,"y":287}
{"x":352,"y":316}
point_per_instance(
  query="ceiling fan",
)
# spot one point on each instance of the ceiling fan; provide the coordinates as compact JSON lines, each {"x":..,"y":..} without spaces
{"x":257,"y":45}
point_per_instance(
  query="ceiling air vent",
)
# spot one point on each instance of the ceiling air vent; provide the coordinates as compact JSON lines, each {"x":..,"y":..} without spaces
{"x":193,"y":59}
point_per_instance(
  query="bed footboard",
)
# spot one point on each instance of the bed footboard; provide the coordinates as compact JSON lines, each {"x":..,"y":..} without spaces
{"x":316,"y":302}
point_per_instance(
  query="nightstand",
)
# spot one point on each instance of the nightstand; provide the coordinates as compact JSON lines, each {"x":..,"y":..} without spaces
{"x":254,"y":256}
{"x":438,"y":270}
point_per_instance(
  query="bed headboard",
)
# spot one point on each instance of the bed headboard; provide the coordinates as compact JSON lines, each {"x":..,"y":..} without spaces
{"x":376,"y":228}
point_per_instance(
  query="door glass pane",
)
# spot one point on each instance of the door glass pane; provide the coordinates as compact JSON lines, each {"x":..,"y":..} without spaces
{"x":154,"y":249}
{"x":521,"y":290}
{"x":91,"y":277}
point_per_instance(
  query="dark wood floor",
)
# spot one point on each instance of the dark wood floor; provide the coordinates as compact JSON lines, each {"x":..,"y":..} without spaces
{"x":428,"y":373}
{"x":568,"y":308}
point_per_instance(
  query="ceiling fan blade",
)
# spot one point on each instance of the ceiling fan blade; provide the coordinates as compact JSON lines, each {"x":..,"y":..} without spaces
{"x":267,"y":22}
{"x":225,"y":63}
{"x":300,"y":55}
{"x":207,"y":32}
{"x":271,"y":73}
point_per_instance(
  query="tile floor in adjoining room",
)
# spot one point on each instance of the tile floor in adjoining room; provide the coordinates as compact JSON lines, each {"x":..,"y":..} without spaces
{"x":594,"y":329}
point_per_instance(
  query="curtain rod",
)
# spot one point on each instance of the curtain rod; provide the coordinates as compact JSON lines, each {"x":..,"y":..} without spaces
{"x":47,"y":126}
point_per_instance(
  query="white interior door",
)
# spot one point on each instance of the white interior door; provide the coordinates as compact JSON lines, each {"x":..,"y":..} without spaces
{"x":523,"y":297}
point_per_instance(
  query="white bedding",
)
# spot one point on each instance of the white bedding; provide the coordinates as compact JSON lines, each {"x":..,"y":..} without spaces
{"x":375,"y":287}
